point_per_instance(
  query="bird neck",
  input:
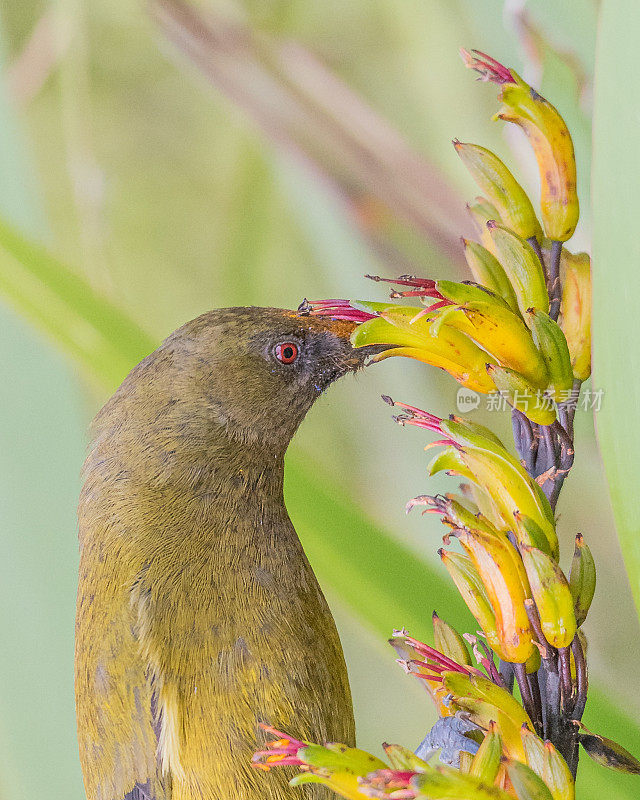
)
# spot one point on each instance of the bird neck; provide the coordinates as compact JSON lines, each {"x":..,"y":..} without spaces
{"x":184,"y":452}
{"x":245,"y":470}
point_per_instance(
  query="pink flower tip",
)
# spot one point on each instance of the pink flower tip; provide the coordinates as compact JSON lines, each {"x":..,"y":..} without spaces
{"x":416,"y":416}
{"x":335,"y":308}
{"x":388,"y":783}
{"x":489,"y":68}
{"x":281,"y":752}
{"x":432,"y":659}
{"x":417,"y":287}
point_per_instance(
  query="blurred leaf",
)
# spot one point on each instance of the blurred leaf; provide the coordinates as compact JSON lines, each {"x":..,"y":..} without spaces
{"x":386,"y":584}
{"x":41,"y":446}
{"x":42,"y":441}
{"x":303,"y":107}
{"x":616,"y":277}
{"x":18,"y":191}
{"x":568,"y":26}
{"x":87,"y":326}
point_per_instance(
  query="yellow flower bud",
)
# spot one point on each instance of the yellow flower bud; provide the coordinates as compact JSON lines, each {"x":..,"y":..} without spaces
{"x":582,"y":579}
{"x":501,"y":333}
{"x":528,"y":785}
{"x":482,"y":211}
{"x":448,"y":349}
{"x":522,"y":266}
{"x":488,"y":271}
{"x":521,"y":394}
{"x":497,"y":183}
{"x":550,"y":589}
{"x":549,"y":137}
{"x":469,"y":583}
{"x":505,"y":581}
{"x":550,"y":340}
{"x":447,"y":640}
{"x":486,"y":762}
{"x":548,"y":764}
{"x":575,"y":310}
{"x":485,"y":702}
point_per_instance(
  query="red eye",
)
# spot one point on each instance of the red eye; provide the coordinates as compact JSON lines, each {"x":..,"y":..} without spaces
{"x":286,"y":352}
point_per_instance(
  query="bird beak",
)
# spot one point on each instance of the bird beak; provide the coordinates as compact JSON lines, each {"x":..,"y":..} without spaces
{"x":352,"y":358}
{"x":362,"y":356}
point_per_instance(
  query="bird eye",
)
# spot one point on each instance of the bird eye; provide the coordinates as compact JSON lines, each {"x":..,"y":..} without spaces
{"x":286,"y":352}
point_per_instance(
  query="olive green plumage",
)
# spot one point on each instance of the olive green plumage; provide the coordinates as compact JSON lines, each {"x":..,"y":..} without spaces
{"x":198,"y":614}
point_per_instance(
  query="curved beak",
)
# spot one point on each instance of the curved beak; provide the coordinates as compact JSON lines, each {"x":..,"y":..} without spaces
{"x":351,"y":358}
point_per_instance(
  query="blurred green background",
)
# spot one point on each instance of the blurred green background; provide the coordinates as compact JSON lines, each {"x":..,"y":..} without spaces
{"x":165,"y":195}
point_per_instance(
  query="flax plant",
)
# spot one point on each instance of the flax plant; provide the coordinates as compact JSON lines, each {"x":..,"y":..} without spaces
{"x":510,"y":695}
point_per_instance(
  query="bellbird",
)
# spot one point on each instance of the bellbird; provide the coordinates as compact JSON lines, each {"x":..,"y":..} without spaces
{"x":198,"y":615}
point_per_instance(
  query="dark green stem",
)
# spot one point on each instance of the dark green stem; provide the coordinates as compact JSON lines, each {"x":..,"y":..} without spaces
{"x":525,"y":689}
{"x":553,"y":280}
{"x":534,"y":687}
{"x":564,"y":664}
{"x":535,"y":244}
{"x":582,"y":679}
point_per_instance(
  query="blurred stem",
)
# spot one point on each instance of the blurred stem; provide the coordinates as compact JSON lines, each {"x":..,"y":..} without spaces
{"x":84,"y":171}
{"x":40,"y":55}
{"x":307,"y":112}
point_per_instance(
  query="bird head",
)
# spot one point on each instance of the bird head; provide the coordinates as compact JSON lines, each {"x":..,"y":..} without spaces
{"x":256,"y":371}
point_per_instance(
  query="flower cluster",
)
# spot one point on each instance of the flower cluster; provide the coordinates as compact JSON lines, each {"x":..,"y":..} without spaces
{"x":504,"y":758}
{"x":501,"y":330}
{"x":521,"y":327}
{"x":497,"y":335}
{"x":508,"y":573}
